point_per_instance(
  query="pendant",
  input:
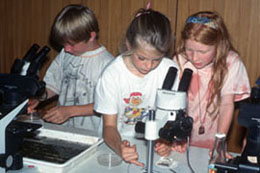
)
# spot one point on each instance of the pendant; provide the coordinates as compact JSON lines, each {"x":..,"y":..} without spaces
{"x":201,"y":130}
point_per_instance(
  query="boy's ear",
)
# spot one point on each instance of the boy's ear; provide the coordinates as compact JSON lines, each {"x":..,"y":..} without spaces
{"x":92,"y":36}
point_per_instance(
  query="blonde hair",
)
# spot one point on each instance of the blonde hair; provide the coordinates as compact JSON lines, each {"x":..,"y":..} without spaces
{"x":74,"y":24}
{"x":208,"y":35}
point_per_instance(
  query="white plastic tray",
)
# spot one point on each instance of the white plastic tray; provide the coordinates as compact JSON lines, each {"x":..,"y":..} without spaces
{"x":47,"y":167}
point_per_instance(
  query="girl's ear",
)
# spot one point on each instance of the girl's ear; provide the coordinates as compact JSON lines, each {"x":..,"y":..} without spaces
{"x":127,"y":45}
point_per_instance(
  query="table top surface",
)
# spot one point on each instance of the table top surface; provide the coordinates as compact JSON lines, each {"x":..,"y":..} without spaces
{"x":198,"y":160}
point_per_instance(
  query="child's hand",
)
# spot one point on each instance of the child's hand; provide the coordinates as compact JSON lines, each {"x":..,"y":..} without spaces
{"x":58,"y":114}
{"x":129,"y":153}
{"x":162,"y":148}
{"x":32,"y":104}
{"x":179,"y":146}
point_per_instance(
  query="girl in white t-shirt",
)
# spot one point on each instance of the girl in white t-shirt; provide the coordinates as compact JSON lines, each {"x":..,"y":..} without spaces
{"x":128,"y":85}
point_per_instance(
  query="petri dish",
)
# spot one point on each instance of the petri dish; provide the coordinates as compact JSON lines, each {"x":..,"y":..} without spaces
{"x":108,"y":159}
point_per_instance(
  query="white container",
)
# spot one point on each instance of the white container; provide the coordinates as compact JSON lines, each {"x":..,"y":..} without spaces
{"x":47,"y":167}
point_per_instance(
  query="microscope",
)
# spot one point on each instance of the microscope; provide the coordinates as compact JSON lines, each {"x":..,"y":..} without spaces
{"x":15,"y":88}
{"x":169,"y":120}
{"x":249,"y":117}
{"x":174,"y":123}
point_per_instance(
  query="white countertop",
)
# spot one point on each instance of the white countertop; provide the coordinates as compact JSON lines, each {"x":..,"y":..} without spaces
{"x":198,"y":159}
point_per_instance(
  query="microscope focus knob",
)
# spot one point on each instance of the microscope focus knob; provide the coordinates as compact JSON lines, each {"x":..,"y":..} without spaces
{"x":6,"y":160}
{"x":9,"y":161}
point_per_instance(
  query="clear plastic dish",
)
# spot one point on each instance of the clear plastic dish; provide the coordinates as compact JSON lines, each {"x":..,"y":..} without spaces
{"x":108,"y":159}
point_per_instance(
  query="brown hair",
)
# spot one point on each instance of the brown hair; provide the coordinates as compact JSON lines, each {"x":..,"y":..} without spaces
{"x":73,"y":24}
{"x":152,"y":27}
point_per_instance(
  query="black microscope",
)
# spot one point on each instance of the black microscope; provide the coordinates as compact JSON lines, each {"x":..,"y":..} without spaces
{"x":16,"y":88}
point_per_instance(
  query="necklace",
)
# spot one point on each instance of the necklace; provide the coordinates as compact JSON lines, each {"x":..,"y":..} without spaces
{"x":201,"y":118}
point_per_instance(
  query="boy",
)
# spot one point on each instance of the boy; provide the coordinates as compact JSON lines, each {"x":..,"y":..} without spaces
{"x":74,"y":72}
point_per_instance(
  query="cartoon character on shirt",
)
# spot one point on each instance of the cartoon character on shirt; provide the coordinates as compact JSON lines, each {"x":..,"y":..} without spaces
{"x":133,"y":112}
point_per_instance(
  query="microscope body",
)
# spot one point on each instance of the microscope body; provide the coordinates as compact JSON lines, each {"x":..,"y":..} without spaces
{"x":173,"y":123}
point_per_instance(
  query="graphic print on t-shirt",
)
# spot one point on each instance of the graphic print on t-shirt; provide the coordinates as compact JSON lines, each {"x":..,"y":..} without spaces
{"x":75,"y":84}
{"x":133,"y":111}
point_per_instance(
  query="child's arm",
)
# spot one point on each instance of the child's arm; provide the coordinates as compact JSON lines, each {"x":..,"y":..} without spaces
{"x":111,"y":134}
{"x":113,"y":140}
{"x":60,"y":114}
{"x":226,"y":113}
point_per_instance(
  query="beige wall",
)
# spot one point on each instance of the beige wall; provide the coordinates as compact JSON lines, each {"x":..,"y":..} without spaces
{"x":24,"y":22}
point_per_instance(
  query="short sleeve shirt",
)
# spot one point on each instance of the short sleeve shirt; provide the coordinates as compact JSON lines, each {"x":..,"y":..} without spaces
{"x":74,"y":79}
{"x":236,"y":82}
{"x":128,"y":96}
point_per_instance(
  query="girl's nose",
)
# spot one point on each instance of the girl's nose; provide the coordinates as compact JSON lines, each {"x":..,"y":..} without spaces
{"x":194,"y":56}
{"x":149,"y":65}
